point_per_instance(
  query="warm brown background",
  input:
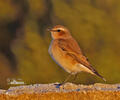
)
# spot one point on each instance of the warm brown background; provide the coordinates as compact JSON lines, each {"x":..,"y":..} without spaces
{"x":24,"y":42}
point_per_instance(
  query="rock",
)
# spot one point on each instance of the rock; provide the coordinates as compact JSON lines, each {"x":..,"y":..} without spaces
{"x":68,"y":91}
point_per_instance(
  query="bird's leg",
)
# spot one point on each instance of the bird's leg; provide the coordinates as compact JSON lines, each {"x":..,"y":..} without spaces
{"x":75,"y":76}
{"x":64,"y":81}
{"x":67,"y":78}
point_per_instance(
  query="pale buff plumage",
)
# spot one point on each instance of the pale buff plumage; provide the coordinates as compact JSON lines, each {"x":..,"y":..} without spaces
{"x":66,"y":52}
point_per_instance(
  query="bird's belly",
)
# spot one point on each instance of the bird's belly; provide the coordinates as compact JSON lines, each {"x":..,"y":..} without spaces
{"x":64,"y":61}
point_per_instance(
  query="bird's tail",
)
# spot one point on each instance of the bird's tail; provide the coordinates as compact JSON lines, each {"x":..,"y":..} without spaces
{"x":97,"y":74}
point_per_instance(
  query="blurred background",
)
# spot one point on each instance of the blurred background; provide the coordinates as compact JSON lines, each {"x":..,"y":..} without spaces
{"x":24,"y":41}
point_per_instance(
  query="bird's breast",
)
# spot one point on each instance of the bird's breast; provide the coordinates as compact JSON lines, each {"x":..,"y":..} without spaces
{"x":62,"y":58}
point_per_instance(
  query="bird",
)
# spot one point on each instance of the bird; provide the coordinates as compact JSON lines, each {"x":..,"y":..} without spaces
{"x":66,"y":52}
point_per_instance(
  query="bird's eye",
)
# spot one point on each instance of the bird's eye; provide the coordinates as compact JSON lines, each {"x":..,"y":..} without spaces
{"x":58,"y":30}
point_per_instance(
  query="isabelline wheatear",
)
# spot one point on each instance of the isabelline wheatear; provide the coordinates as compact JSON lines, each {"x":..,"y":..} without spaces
{"x":66,"y":52}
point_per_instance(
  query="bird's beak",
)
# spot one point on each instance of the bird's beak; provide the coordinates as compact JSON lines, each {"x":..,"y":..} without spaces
{"x":50,"y":30}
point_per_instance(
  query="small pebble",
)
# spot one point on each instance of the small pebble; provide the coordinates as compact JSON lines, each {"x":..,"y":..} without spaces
{"x":118,"y":87}
{"x":77,"y":89}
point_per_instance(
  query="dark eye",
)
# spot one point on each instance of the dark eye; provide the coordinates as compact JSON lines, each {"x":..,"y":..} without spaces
{"x":58,"y":30}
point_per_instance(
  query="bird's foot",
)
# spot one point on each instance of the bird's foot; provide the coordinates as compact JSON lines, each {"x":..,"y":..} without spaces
{"x":58,"y":85}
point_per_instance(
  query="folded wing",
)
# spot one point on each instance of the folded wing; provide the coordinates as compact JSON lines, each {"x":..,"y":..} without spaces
{"x":73,"y":50}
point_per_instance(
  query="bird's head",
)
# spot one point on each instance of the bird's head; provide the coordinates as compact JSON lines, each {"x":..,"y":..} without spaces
{"x":59,"y":32}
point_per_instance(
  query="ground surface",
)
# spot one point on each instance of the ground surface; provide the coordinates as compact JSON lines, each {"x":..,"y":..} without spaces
{"x":67,"y":92}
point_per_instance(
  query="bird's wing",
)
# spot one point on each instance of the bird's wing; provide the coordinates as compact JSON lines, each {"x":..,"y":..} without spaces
{"x":71,"y":47}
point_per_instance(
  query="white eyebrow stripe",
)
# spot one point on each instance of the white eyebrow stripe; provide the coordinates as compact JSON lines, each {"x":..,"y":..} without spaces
{"x":61,"y":29}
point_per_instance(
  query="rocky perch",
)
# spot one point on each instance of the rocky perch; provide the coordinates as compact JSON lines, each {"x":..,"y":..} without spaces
{"x":67,"y":91}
